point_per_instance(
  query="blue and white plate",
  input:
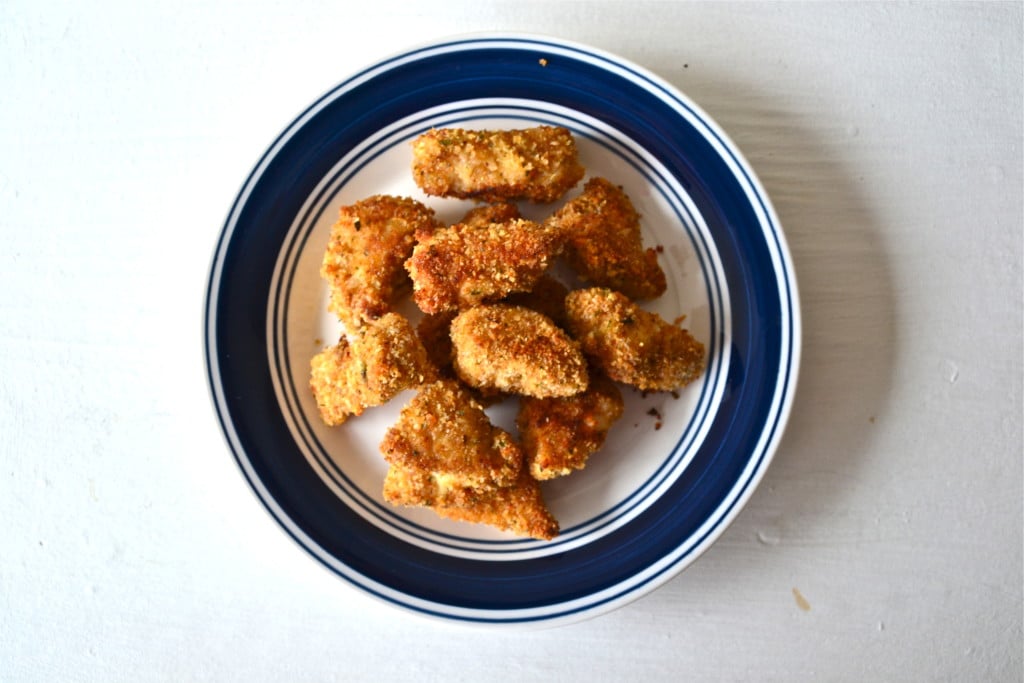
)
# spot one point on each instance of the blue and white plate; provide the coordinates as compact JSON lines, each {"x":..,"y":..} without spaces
{"x":675,"y":470}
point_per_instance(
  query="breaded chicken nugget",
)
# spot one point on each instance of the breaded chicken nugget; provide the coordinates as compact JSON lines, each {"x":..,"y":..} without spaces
{"x":445,"y":434}
{"x":603,"y":243}
{"x":630,"y":344}
{"x":369,"y":244}
{"x":519,"y":508}
{"x":547,"y":297}
{"x":382,"y":358}
{"x":516,"y":350}
{"x":538,"y":164}
{"x":465,"y":265}
{"x":560,"y":434}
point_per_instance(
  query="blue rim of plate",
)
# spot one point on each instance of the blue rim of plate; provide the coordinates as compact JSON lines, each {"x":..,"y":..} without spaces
{"x":739,"y":436}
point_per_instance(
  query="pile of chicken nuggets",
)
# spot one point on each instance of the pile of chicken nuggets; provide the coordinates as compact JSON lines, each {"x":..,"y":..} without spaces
{"x":496,"y":324}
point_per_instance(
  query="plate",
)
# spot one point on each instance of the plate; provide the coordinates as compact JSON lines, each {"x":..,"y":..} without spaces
{"x":676,"y":469}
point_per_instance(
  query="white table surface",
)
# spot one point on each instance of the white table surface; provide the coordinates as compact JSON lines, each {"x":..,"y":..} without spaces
{"x":889,"y":138}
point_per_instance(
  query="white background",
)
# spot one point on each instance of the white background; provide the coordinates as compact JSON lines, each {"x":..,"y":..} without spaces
{"x":884,"y":543}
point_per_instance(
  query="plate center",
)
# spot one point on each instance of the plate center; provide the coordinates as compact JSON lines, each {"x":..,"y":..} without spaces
{"x":646,"y":449}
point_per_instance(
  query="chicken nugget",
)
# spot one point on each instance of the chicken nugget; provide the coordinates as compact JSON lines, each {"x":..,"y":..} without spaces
{"x":445,"y":434}
{"x":466,"y":265}
{"x":538,"y":164}
{"x":368,"y":246}
{"x":516,"y":350}
{"x":560,"y":434}
{"x":632,"y":345}
{"x":519,"y":508}
{"x":382,"y":358}
{"x":603,"y":243}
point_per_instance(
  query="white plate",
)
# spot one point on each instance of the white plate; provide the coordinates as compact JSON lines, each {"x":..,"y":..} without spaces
{"x":675,"y":470}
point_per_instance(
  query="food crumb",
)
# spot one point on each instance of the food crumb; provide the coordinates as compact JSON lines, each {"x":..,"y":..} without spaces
{"x":660,"y":249}
{"x":542,"y":61}
{"x":680,"y":320}
{"x":318,"y":342}
{"x":801,"y":601}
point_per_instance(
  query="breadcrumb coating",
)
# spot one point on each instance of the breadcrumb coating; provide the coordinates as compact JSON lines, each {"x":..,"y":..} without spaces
{"x":410,"y":487}
{"x":379,"y":360}
{"x":363,"y":263}
{"x":443,"y":432}
{"x":632,"y":345}
{"x":516,"y":350}
{"x":519,"y":508}
{"x":603,"y":243}
{"x":560,"y":434}
{"x":445,"y":454}
{"x":538,"y":164}
{"x":466,"y":265}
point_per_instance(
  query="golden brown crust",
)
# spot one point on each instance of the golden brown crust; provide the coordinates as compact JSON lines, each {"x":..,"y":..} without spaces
{"x":538,"y":164}
{"x":603,"y":243}
{"x":560,"y":434}
{"x":445,"y":454}
{"x":632,"y":345}
{"x":466,"y":265}
{"x":411,"y":487}
{"x":381,"y":359}
{"x":519,"y":508}
{"x":444,"y":432}
{"x":516,"y":350}
{"x":363,"y":263}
